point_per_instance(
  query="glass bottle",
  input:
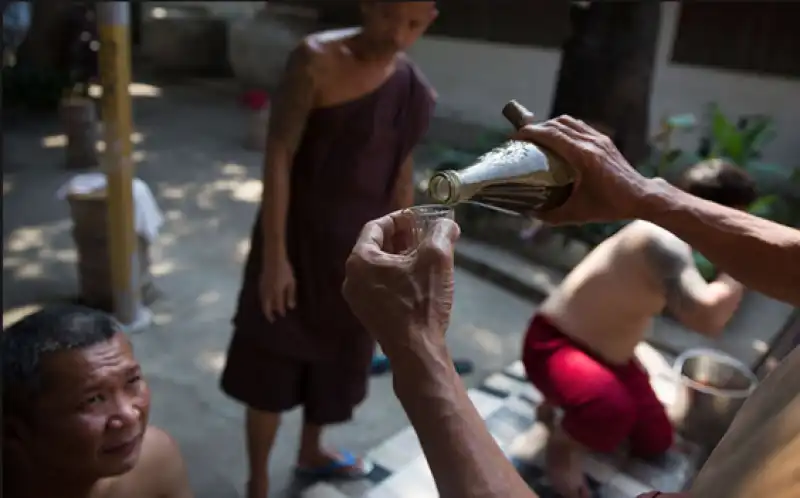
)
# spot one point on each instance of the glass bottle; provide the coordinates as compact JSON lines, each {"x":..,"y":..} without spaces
{"x":518,"y":176}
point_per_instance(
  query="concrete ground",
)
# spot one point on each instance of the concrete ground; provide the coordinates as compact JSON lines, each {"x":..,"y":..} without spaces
{"x":189,"y":148}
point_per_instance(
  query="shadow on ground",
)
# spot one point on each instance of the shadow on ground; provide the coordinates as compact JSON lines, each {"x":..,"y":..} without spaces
{"x":189,"y":151}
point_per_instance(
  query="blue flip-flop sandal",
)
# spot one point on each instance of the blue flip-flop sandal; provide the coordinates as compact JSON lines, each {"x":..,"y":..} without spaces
{"x":343,"y":468}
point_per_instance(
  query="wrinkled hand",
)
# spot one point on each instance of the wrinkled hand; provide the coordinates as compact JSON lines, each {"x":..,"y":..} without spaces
{"x":277,"y":287}
{"x":607,"y":188}
{"x":403,"y":300}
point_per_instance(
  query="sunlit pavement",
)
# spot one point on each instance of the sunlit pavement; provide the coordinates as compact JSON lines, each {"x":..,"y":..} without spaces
{"x":189,"y":151}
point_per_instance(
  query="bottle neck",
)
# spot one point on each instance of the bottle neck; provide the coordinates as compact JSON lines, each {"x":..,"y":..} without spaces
{"x":445,"y":187}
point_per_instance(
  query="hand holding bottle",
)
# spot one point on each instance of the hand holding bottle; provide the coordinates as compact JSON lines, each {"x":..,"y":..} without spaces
{"x":607,"y":187}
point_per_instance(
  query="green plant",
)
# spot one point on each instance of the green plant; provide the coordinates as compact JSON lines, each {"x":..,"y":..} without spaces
{"x":663,"y":161}
{"x":742,"y":142}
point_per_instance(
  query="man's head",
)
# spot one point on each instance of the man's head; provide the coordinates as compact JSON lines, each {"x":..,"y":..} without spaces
{"x":719,"y":181}
{"x":391,"y":27}
{"x":74,"y":399}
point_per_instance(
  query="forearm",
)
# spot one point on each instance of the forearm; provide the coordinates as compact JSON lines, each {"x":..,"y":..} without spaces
{"x":463,"y":457}
{"x":758,"y":253}
{"x":287,"y":125}
{"x":275,"y":205}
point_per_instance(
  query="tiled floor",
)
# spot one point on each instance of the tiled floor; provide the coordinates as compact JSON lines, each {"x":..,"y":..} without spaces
{"x":507,"y":402}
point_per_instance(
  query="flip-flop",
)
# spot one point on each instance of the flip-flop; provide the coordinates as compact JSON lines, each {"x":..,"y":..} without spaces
{"x":380,"y":364}
{"x":342,"y":468}
{"x":463,"y":367}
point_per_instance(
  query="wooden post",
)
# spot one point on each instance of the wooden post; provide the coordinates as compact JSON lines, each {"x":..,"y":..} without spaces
{"x":115,"y":73}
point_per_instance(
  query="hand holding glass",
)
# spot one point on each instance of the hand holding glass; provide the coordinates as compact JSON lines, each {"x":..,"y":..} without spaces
{"x":422,"y":219}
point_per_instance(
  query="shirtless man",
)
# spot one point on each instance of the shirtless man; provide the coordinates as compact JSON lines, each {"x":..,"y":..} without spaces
{"x":578,"y":350}
{"x":405,"y":302}
{"x":75,"y":413}
{"x":349,"y":112}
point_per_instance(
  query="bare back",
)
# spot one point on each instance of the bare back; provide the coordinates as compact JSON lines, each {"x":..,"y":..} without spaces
{"x":608,"y":301}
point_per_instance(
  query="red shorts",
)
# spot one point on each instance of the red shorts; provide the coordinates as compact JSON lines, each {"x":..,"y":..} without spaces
{"x":604,"y":405}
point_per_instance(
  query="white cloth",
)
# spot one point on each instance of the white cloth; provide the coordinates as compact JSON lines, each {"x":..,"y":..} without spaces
{"x":147,"y":216}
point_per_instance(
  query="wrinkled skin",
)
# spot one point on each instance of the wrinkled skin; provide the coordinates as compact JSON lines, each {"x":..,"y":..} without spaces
{"x":607,"y":188}
{"x":404,"y":300}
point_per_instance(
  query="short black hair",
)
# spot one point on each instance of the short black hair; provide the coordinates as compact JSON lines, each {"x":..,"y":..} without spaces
{"x":719,"y":181}
{"x":52,"y":329}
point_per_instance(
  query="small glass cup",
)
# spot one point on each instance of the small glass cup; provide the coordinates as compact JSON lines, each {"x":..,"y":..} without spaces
{"x":423,"y":218}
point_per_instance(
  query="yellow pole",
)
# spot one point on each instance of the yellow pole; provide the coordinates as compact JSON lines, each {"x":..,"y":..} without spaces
{"x":115,"y":72}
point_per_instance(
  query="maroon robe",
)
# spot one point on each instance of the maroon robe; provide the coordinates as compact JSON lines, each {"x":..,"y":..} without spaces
{"x":343,"y":176}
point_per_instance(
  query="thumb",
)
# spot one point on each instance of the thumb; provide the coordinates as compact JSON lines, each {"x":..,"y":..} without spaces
{"x":437,"y":249}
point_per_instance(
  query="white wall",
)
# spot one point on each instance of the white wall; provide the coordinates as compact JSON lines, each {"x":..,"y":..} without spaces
{"x":475,"y":80}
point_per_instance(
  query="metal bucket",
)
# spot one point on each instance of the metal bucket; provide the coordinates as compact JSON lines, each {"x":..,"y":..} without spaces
{"x":715,"y":386}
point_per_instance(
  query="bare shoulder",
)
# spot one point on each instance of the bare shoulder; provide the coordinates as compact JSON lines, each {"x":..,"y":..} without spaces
{"x":664,"y":255}
{"x":158,"y":445}
{"x":161,"y":465}
{"x":307,"y":57}
{"x":656,"y":242}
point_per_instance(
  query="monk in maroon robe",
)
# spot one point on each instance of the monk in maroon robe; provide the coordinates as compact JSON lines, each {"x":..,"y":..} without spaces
{"x":351,"y":108}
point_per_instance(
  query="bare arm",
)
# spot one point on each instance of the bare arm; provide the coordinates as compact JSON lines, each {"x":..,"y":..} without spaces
{"x":763,"y":255}
{"x":287,"y":124}
{"x":704,"y":307}
{"x":403,"y":195}
{"x":463,"y":457}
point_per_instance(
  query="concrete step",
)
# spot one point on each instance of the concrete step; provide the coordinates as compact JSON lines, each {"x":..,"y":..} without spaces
{"x":508,"y":270}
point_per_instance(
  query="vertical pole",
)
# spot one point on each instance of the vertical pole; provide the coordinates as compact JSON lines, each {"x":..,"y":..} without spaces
{"x":114,"y":59}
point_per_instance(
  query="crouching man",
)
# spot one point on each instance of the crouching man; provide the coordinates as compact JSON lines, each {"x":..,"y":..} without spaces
{"x":75,"y":413}
{"x":579,"y":347}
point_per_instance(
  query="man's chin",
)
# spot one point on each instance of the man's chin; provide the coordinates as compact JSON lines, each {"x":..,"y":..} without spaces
{"x":123,"y":463}
{"x":121,"y":467}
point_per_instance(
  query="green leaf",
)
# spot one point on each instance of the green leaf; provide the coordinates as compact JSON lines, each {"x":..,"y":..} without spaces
{"x":704,"y":266}
{"x":795,"y":177}
{"x":764,"y":206}
{"x":756,"y":136}
{"x":727,"y":140}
